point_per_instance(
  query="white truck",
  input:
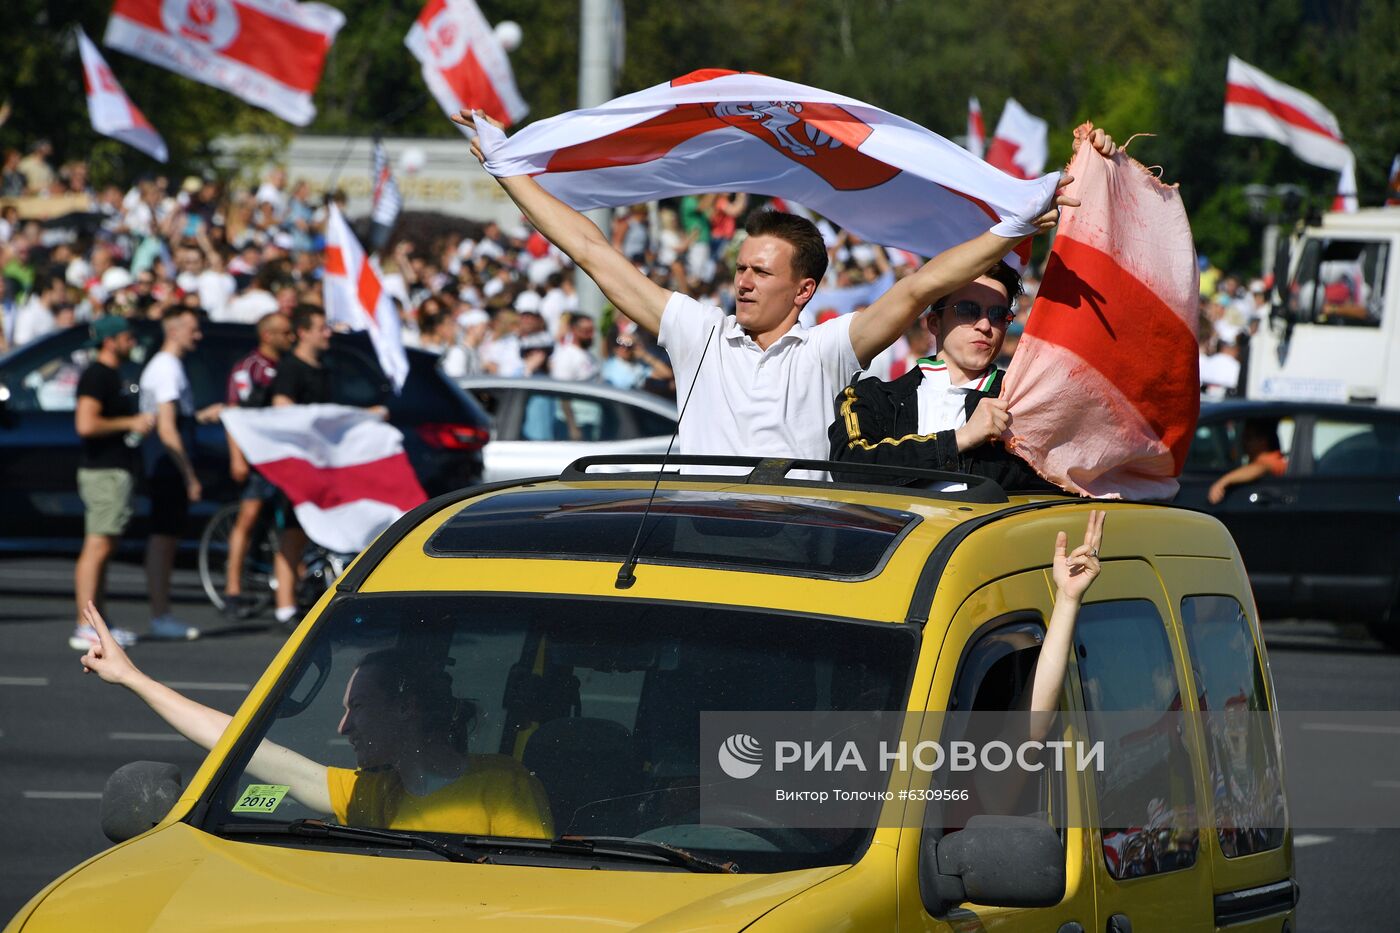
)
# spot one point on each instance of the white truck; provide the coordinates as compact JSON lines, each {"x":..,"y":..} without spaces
{"x":1334,"y":331}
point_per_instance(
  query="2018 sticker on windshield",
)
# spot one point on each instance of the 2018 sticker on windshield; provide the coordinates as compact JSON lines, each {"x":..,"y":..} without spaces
{"x":260,"y":798}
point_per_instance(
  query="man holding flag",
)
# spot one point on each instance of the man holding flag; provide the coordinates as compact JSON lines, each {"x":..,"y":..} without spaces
{"x":766,"y":382}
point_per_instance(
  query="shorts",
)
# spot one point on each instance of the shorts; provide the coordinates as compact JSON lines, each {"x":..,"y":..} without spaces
{"x":257,"y":487}
{"x":106,"y":495}
{"x":170,"y":505}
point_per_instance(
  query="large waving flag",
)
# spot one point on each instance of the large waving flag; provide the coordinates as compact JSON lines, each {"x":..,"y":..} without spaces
{"x":344,"y":470}
{"x":1258,"y":105}
{"x":1020,"y":146}
{"x":112,"y":112}
{"x":884,"y":178}
{"x":354,"y":296}
{"x":267,"y":52}
{"x":464,"y":64}
{"x":1103,"y":390}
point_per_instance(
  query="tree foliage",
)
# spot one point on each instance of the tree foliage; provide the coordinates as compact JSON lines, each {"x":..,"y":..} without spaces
{"x":1152,"y":67}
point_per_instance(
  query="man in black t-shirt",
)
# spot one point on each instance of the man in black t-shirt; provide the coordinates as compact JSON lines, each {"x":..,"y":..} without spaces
{"x":111,"y":429}
{"x":301,"y":380}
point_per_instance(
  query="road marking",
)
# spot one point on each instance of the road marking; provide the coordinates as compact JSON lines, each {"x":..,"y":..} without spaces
{"x":146,"y":736}
{"x":1386,"y":785}
{"x":1350,"y":727}
{"x":62,"y":795}
{"x":201,"y":685}
{"x":24,"y":681}
{"x":1310,"y":840}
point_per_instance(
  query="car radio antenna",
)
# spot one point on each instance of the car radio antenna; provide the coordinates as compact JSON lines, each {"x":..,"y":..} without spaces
{"x":625,"y":574}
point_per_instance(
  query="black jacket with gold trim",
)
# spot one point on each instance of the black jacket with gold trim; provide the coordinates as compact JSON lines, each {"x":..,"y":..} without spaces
{"x":878,"y":422}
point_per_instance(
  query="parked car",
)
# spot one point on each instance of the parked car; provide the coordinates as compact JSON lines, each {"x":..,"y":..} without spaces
{"x":444,"y":428}
{"x":1323,"y":540}
{"x":587,"y":695}
{"x":542,"y":425}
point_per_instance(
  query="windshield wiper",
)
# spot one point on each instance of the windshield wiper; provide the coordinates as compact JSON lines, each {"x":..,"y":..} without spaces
{"x":630,"y":847}
{"x":320,"y":829}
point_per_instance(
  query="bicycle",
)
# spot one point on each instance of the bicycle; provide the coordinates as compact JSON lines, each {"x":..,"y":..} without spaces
{"x":259,"y":583}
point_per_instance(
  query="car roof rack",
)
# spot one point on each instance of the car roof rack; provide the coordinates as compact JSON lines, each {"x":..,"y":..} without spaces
{"x":775,"y":472}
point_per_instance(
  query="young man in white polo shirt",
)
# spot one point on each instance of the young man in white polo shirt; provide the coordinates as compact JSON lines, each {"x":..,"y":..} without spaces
{"x":766,"y":382}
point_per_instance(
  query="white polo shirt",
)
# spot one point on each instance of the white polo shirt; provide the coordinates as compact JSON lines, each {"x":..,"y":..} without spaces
{"x":751,"y":402}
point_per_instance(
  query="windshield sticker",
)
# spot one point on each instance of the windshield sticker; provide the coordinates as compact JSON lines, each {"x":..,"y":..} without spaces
{"x":260,"y":798}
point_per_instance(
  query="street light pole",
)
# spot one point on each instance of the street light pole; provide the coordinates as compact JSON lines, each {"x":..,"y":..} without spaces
{"x":595,"y":71}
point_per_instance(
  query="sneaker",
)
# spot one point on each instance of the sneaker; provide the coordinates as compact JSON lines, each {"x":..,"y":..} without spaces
{"x":85,"y":637}
{"x":237,"y":608}
{"x":169,"y":628}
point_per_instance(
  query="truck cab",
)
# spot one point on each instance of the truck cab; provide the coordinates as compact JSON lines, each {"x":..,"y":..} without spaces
{"x":1334,"y":331}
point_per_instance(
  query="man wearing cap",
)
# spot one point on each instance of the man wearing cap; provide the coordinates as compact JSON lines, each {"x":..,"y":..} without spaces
{"x":106,"y":419}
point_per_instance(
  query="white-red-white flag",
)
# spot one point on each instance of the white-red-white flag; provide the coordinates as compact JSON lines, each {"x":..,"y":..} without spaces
{"x":1020,"y":147}
{"x":354,"y":295}
{"x":112,"y":112}
{"x":267,"y":52}
{"x":464,"y":64}
{"x":344,"y":469}
{"x":1258,"y":105}
{"x":1104,"y":391}
{"x":976,"y":129}
{"x":880,"y":176}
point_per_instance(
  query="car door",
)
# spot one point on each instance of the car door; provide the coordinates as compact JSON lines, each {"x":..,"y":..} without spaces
{"x":39,"y":446}
{"x":1346,"y":528}
{"x":1259,"y":515}
{"x":988,"y":653}
{"x":1152,"y":875}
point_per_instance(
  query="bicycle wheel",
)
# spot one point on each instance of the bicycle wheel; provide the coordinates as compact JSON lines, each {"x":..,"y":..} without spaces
{"x":258,"y":578}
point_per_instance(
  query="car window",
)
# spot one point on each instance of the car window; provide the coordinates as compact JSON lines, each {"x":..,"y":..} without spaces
{"x":355,"y":378}
{"x":558,"y":416}
{"x":1146,"y":790}
{"x":993,"y":678}
{"x":50,"y":382}
{"x":1340,"y":282}
{"x":1356,"y":448}
{"x":209,"y":365}
{"x":1244,"y":756}
{"x":651,"y":424}
{"x":1218,"y":445}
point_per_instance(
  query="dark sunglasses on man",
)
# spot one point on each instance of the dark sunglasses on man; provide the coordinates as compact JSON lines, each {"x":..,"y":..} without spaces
{"x":969,"y":312}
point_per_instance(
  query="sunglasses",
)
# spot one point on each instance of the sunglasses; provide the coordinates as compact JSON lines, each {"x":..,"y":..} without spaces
{"x":970,"y":312}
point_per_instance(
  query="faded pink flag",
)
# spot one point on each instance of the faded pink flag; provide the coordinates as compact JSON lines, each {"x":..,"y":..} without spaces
{"x":1104,"y":389}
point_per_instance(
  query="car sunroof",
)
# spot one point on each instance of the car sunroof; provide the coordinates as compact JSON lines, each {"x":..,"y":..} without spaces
{"x":729,"y":529}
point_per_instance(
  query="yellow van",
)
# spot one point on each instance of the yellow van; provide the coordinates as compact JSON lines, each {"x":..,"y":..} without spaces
{"x":577,"y":680}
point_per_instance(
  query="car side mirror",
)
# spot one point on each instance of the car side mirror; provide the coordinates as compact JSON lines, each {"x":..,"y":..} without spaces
{"x":138,"y":795}
{"x":996,"y":861}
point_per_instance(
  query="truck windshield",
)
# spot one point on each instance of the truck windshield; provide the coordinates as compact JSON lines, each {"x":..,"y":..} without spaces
{"x":527,"y":716}
{"x":1340,"y":282}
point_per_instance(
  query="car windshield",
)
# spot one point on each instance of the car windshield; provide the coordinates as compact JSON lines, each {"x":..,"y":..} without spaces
{"x":529,"y":716}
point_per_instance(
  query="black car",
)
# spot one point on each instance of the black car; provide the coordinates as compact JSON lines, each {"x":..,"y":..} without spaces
{"x":1323,"y":540}
{"x":444,"y":428}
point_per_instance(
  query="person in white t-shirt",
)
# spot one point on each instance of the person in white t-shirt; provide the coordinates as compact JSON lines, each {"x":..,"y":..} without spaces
{"x":574,"y":361}
{"x":766,"y":384}
{"x":173,"y":485}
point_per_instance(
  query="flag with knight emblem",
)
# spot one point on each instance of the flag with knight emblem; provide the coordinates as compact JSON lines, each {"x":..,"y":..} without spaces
{"x":270,"y":53}
{"x":885,"y":178}
{"x":464,"y":64}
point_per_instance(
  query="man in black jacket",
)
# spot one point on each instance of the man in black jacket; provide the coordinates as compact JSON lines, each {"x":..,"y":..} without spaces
{"x":945,"y":413}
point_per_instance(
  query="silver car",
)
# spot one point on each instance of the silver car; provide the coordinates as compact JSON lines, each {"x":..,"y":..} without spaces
{"x":542,"y":425}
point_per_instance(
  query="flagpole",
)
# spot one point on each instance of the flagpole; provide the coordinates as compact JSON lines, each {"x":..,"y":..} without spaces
{"x":595,"y":73}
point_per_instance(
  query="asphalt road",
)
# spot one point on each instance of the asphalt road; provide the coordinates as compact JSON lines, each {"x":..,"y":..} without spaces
{"x":62,"y":734}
